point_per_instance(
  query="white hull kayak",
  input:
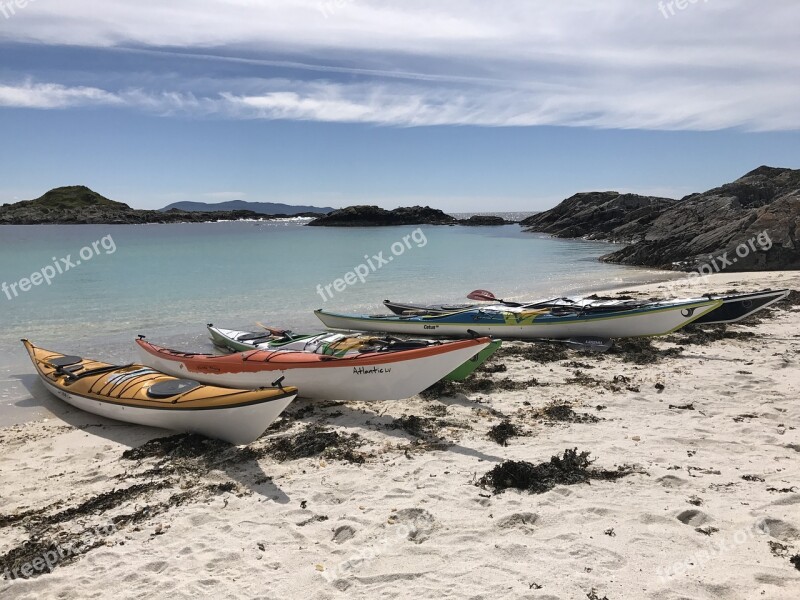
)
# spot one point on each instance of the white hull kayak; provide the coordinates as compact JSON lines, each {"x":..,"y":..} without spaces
{"x":238,"y":426}
{"x":377,"y":376}
{"x":139,"y":395}
{"x":520,"y":323}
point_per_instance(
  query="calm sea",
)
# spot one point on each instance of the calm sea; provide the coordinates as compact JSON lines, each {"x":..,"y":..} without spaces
{"x":168,"y":281}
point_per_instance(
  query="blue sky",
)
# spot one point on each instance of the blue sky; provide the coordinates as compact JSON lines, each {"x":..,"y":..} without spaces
{"x":462,"y":105}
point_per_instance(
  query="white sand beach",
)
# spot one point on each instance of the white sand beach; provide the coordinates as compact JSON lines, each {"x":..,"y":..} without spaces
{"x":707,"y":432}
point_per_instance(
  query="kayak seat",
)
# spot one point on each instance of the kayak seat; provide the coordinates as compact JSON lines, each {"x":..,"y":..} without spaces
{"x":174,"y":387}
{"x":249,"y":337}
{"x":64,"y":361}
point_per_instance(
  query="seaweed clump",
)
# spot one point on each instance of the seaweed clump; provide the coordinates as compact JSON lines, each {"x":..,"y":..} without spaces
{"x":708,"y":334}
{"x":316,"y":440}
{"x":792,"y":300}
{"x":564,"y":413}
{"x":176,"y":446}
{"x":641,"y":351}
{"x":476,"y":385}
{"x":502,"y":432}
{"x":414,"y":425}
{"x":535,"y":351}
{"x":570,"y":469}
{"x":795,"y":560}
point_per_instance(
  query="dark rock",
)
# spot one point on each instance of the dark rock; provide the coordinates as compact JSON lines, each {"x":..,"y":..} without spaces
{"x":600,"y":216}
{"x":374,"y":216}
{"x":484,"y":220}
{"x":707,"y":225}
{"x":687,"y":234}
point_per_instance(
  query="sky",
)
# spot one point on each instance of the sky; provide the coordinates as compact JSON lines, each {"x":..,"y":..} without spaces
{"x":464,"y":105}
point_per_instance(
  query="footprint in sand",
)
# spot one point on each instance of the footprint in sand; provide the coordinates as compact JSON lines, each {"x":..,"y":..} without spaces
{"x":671,"y":481}
{"x":695,"y":518}
{"x":780,"y":530}
{"x":788,"y":500}
{"x":524,"y":521}
{"x":343,"y":533}
{"x":419,"y":522}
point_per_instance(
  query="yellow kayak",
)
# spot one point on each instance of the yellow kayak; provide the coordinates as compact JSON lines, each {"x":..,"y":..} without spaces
{"x":137,"y":394}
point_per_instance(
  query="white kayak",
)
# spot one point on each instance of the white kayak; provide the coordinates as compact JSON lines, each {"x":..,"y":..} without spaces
{"x":373,"y":375}
{"x":137,"y":394}
{"x":506,"y":322}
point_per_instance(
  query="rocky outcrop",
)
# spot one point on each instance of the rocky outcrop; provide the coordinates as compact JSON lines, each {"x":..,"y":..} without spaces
{"x":484,"y":220}
{"x":754,"y":223}
{"x":760,"y":210}
{"x":374,"y":216}
{"x":80,"y":205}
{"x":600,"y":216}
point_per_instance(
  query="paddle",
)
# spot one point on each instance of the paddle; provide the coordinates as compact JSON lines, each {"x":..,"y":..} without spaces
{"x":275,"y":332}
{"x":586,"y":344}
{"x":487,"y":296}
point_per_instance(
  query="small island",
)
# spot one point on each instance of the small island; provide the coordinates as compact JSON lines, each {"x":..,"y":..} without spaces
{"x":374,"y":216}
{"x":79,"y":205}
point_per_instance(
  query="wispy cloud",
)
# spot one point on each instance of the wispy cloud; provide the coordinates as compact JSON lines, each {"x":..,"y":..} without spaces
{"x":53,"y":95}
{"x":618,"y":64}
{"x":678,"y":108}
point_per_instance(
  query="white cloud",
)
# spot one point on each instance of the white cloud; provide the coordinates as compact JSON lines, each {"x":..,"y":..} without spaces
{"x":680,"y":107}
{"x":615,"y":64}
{"x":52,"y":95}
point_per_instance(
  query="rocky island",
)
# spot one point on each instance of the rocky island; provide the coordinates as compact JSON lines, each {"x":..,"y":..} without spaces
{"x":699,"y":228}
{"x":374,"y":216}
{"x":78,"y":204}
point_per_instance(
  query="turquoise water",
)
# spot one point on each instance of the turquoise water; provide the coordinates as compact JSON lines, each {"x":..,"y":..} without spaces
{"x":168,"y":281}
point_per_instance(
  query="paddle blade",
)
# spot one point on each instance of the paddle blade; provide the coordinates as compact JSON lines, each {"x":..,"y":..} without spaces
{"x":589,"y":344}
{"x":483,"y":296}
{"x":272,"y":330}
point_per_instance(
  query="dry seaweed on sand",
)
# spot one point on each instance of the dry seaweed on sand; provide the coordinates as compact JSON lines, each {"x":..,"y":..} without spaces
{"x":697,"y":335}
{"x":795,"y":560}
{"x":476,"y":385}
{"x":563,"y":412}
{"x":592,"y":595}
{"x":792,"y":300}
{"x":641,"y":351}
{"x":316,"y":440}
{"x":570,"y":469}
{"x":539,"y":352}
{"x":440,"y":389}
{"x":502,"y":432}
{"x":176,"y":446}
{"x":414,"y":425}
{"x":35,"y":549}
{"x":492,"y":368}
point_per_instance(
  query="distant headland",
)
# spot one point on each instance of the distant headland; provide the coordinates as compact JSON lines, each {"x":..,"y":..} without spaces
{"x":77,"y":204}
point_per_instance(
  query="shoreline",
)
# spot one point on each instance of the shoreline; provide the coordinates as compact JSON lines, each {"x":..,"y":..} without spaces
{"x":117,"y":346}
{"x":701,"y":430}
